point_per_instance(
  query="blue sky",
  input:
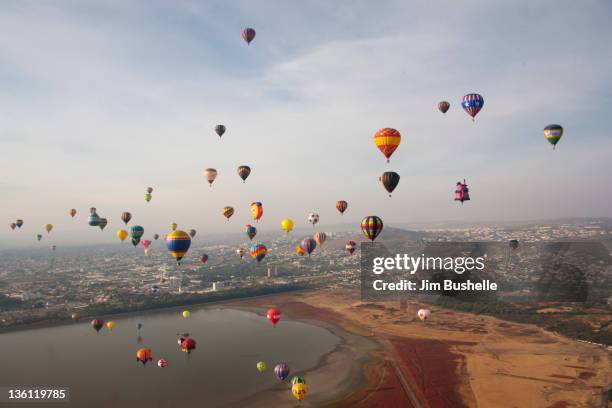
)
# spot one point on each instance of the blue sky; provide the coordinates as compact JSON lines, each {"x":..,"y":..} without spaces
{"x":99,"y":100}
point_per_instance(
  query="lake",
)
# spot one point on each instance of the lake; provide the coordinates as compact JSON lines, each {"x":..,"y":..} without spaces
{"x":101,"y":368}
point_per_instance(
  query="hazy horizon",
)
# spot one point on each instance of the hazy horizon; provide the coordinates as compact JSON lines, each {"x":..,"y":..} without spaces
{"x":100,"y":101}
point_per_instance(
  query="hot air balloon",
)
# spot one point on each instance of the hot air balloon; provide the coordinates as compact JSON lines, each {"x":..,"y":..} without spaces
{"x":258,"y":251}
{"x":192,"y":233}
{"x":188,"y":345}
{"x":144,"y":355}
{"x":154,"y":288}
{"x":93,"y":220}
{"x":220,"y":130}
{"x":297,"y":379}
{"x":227,"y":212}
{"x":350,"y":247}
{"x":178,"y":243}
{"x":12,"y":225}
{"x":146,"y":243}
{"x":110,"y":325}
{"x":149,"y":190}
{"x":313,"y":218}
{"x":173,"y":226}
{"x":122,"y":235}
{"x":514,"y":244}
{"x":74,"y":316}
{"x":424,"y":314}
{"x":240,"y":252}
{"x":251,"y":231}
{"x":256,"y":210}
{"x":39,"y":236}
{"x":341,"y":206}
{"x":281,"y":371}
{"x":161,"y":363}
{"x":371,"y":227}
{"x":462,"y":192}
{"x":97,"y":324}
{"x":273,"y":316}
{"x":300,"y":250}
{"x":248,"y":34}
{"x":19,"y":223}
{"x":186,"y":314}
{"x":148,"y":197}
{"x":320,"y":237}
{"x":203,"y":258}
{"x":156,"y":236}
{"x":210,"y":175}
{"x":48,"y":228}
{"x":299,"y":390}
{"x":135,"y":233}
{"x":72,"y":212}
{"x":92,"y":210}
{"x":309,"y":245}
{"x":243,"y":172}
{"x":261,"y":366}
{"x":287,"y":225}
{"x":126,"y":217}
{"x":553,"y":134}
{"x":389,"y":180}
{"x":387,"y":140}
{"x":472,"y":104}
{"x":138,"y":326}
{"x":103,"y":223}
{"x":443,"y":106}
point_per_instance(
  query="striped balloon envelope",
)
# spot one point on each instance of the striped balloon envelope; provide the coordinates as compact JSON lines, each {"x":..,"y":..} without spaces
{"x":258,"y":251}
{"x":371,"y":227}
{"x":248,"y":34}
{"x":472,"y":104}
{"x":553,"y":134}
{"x":178,"y":243}
{"x":227,"y":212}
{"x":309,"y":245}
{"x":281,"y":371}
{"x":387,"y":140}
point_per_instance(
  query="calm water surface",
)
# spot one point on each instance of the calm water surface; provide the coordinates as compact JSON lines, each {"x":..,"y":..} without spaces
{"x":101,"y":369}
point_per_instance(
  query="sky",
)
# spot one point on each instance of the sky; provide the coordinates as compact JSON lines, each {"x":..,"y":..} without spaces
{"x":100,"y":100}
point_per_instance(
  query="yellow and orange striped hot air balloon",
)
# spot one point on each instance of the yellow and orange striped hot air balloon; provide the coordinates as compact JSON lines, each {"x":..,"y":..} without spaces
{"x":227,"y":211}
{"x":387,"y":140}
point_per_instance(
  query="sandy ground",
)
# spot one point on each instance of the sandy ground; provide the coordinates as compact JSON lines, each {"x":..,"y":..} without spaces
{"x":389,"y":358}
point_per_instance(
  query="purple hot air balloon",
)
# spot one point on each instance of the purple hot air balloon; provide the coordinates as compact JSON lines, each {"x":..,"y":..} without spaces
{"x":309,"y":245}
{"x":281,"y":371}
{"x":248,"y":34}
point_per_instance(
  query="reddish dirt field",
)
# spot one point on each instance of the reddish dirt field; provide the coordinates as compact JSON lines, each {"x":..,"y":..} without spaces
{"x":431,"y":370}
{"x":384,"y":390}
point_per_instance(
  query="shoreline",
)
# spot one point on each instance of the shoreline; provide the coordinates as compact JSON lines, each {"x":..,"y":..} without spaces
{"x":54,"y":323}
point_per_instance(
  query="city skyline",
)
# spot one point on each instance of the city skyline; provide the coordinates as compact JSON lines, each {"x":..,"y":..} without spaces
{"x":99,"y":102}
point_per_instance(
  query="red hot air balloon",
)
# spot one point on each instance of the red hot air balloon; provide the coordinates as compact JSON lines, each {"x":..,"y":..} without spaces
{"x":248,"y":34}
{"x":443,"y":106}
{"x":203,"y":258}
{"x":341,"y":206}
{"x":350,"y":246}
{"x":97,"y":324}
{"x":273,"y":315}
